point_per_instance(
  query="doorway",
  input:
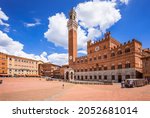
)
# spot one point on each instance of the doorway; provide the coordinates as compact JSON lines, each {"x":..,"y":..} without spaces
{"x":67,"y":75}
{"x":119,"y":78}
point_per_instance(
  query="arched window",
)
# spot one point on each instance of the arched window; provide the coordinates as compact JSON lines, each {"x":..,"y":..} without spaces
{"x":113,"y":67}
{"x":105,"y":67}
{"x":112,"y":54}
{"x":105,"y":56}
{"x":120,"y":66}
{"x":127,"y":65}
{"x":119,"y":52}
{"x":127,"y":49}
{"x":99,"y":57}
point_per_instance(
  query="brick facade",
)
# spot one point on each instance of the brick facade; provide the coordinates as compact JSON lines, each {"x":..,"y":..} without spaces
{"x":19,"y":66}
{"x":107,"y":59}
{"x":3,"y":64}
{"x":48,"y":69}
{"x":146,"y":63}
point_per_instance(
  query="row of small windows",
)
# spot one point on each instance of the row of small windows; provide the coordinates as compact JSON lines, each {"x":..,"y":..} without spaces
{"x":19,"y":60}
{"x":2,"y":58}
{"x":2,"y":63}
{"x":126,"y":50}
{"x":128,"y":65}
{"x":99,"y":77}
{"x":105,"y":56}
{"x":23,"y":70}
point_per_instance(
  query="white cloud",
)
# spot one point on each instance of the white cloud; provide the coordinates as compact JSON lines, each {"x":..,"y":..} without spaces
{"x":12,"y":47}
{"x":7,"y":44}
{"x":59,"y":59}
{"x":6,"y":29}
{"x":57,"y":30}
{"x":94,"y":16}
{"x":36,"y":22}
{"x":102,"y":14}
{"x":82,"y":52}
{"x":93,"y":33}
{"x":3,"y":17}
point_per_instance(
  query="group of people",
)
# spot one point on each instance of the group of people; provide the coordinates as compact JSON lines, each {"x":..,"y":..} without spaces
{"x":125,"y":84}
{"x":131,"y":83}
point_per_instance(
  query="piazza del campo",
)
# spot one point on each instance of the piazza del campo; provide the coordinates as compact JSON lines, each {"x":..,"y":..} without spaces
{"x":96,"y":76}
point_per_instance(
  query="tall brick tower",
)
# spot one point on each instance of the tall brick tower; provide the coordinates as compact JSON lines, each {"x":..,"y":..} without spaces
{"x":72,"y":36}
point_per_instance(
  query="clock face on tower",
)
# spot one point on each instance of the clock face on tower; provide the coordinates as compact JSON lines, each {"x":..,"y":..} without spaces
{"x":97,"y":48}
{"x":70,"y":57}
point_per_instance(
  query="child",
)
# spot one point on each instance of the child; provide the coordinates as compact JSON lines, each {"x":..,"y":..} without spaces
{"x":63,"y":86}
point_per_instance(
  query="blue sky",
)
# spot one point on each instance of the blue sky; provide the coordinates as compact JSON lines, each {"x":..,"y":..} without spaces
{"x":29,"y":25}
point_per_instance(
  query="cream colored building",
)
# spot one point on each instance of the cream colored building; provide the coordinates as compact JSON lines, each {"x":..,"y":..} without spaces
{"x":18,"y":66}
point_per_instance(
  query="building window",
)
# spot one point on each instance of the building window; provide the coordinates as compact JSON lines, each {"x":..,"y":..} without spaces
{"x":105,"y":56}
{"x":105,"y":68}
{"x":105,"y":77}
{"x":104,"y":46}
{"x":100,"y":68}
{"x":127,"y":50}
{"x":127,"y":76}
{"x":113,"y":77}
{"x":94,"y":58}
{"x":120,"y":66}
{"x":90,"y":51}
{"x":128,"y":65}
{"x":113,"y":67}
{"x":100,"y":77}
{"x":119,"y":52}
{"x":85,"y":70}
{"x":90,"y":77}
{"x":78,"y":77}
{"x":95,"y":77}
{"x":95,"y":69}
{"x":81,"y":77}
{"x":90,"y":69}
{"x":81,"y":61}
{"x":99,"y":57}
{"x":90,"y":59}
{"x":10,"y":59}
{"x":85,"y":77}
{"x":112,"y":54}
{"x":86,"y":60}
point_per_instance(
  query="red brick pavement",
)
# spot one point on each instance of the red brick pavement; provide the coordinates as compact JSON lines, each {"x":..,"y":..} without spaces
{"x":36,"y":89}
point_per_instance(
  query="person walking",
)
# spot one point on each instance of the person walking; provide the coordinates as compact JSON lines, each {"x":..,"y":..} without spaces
{"x":122,"y":83}
{"x":63,"y":86}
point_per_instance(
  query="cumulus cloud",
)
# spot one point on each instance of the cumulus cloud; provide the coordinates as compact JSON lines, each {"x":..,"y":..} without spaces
{"x":59,"y":59}
{"x":94,"y":18}
{"x":57,"y":30}
{"x":12,"y":47}
{"x":36,"y":22}
{"x":3,"y":17}
{"x":7,"y":44}
{"x":102,"y":14}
